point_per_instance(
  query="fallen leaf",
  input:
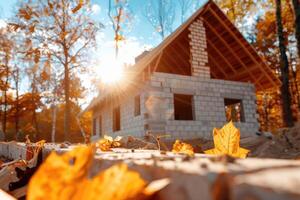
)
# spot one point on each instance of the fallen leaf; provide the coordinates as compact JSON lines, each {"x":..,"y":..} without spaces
{"x":107,"y":142}
{"x":61,"y":176}
{"x":227,"y":141}
{"x":181,"y":147}
{"x":115,"y":183}
{"x":66,"y":176}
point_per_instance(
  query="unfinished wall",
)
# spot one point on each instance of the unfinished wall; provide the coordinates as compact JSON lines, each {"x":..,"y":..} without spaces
{"x":199,"y":58}
{"x":157,"y":102}
{"x":209,"y":110}
{"x":130,"y":124}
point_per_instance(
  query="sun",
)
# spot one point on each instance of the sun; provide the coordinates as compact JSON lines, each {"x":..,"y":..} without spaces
{"x":111,"y":72}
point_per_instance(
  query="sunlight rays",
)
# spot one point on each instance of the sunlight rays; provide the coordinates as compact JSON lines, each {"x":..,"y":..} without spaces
{"x":111,"y":73}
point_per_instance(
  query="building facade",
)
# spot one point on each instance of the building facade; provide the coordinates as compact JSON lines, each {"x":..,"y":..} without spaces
{"x":201,"y":76}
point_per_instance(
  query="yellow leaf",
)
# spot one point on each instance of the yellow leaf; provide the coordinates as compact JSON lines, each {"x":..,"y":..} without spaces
{"x":61,"y":176}
{"x":181,"y":147}
{"x":66,"y":177}
{"x":107,"y":142}
{"x":115,"y":183}
{"x":104,"y":145}
{"x":227,"y":141}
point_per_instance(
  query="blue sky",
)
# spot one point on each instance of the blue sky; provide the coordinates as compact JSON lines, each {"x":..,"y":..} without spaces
{"x":140,"y":37}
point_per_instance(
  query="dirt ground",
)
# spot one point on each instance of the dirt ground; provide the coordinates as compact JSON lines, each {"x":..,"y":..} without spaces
{"x":283,"y":144}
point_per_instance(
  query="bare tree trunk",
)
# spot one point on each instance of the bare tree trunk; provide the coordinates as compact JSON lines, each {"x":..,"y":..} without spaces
{"x":284,"y":66}
{"x":296,"y":4}
{"x":266,"y":106}
{"x":295,"y":82}
{"x":53,"y":131}
{"x":81,"y":129}
{"x":5,"y":114}
{"x":233,"y":11}
{"x":160,"y":10}
{"x":35,"y":122}
{"x":116,"y":49}
{"x":34,"y":118}
{"x":17,"y":103}
{"x":66,"y":78}
{"x":67,"y":106}
{"x":5,"y":99}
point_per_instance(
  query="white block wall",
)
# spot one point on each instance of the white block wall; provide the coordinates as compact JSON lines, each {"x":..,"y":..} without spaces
{"x":130,"y":124}
{"x":199,"y":57}
{"x":157,"y":109}
{"x":209,"y":108}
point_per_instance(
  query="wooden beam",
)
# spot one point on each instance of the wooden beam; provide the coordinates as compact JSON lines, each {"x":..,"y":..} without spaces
{"x":186,"y":41}
{"x":213,"y":73}
{"x":158,"y":60}
{"x":217,"y":65}
{"x":222,"y":71}
{"x":148,"y":58}
{"x":242,"y":44}
{"x":182,"y":60}
{"x":245,"y":73}
{"x":229,"y":48}
{"x":171,"y":59}
{"x":221,"y":55}
{"x":183,"y":49}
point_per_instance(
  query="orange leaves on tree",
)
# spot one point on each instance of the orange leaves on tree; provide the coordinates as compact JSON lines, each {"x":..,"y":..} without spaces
{"x":119,"y":37}
{"x":181,"y":147}
{"x":106,"y":143}
{"x":227,"y":141}
{"x":66,"y":177}
{"x":23,"y":13}
{"x":78,"y":7}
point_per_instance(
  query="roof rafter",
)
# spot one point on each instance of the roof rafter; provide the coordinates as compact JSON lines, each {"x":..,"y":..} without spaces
{"x":238,"y":40}
{"x":218,"y":66}
{"x":221,"y":55}
{"x":230,"y":49}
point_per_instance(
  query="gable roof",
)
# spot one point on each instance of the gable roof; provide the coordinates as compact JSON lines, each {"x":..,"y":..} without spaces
{"x":247,"y":64}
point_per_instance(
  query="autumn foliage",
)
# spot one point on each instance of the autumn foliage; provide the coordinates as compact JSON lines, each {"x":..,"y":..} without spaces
{"x":48,"y":43}
{"x":184,"y":148}
{"x":66,"y":177}
{"x":107,"y":142}
{"x":227,"y":142}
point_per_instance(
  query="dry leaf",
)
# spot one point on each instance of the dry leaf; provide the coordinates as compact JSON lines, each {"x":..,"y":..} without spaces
{"x":107,"y":142}
{"x":66,"y":177}
{"x":227,"y":141}
{"x":181,"y":147}
{"x":115,"y":183}
{"x":61,"y":176}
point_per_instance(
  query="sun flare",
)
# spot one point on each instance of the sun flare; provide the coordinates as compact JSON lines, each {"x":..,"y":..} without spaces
{"x":111,"y":73}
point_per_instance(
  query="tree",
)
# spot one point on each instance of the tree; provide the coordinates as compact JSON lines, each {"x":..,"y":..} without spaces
{"x":161,"y":15}
{"x":184,"y":5}
{"x":119,"y":15}
{"x":16,"y":78}
{"x":196,"y":4}
{"x":296,"y":5}
{"x":6,"y":46}
{"x":284,"y":70}
{"x":239,"y":11}
{"x":27,"y":105}
{"x":62,"y":31}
